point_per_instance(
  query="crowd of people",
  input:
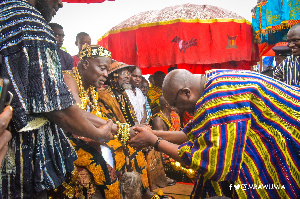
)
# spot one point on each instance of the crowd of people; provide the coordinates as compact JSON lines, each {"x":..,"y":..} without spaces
{"x":89,"y":126}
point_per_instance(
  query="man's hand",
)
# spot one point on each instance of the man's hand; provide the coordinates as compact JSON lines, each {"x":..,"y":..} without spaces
{"x":106,"y":131}
{"x":5,"y":135}
{"x":133,"y":133}
{"x":144,"y":138}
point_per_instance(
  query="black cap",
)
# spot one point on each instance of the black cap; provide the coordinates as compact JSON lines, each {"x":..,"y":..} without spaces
{"x":282,"y":50}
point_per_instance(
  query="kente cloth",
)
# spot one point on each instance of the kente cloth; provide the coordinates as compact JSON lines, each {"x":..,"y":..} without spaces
{"x":113,"y":110}
{"x":288,"y":71}
{"x":66,"y":60}
{"x":138,"y":102}
{"x":245,"y":130}
{"x":76,"y":60}
{"x":186,"y":118}
{"x":148,"y":109}
{"x":173,"y":124}
{"x":90,"y":157}
{"x":41,"y":154}
{"x":153,"y":94}
{"x":175,"y":120}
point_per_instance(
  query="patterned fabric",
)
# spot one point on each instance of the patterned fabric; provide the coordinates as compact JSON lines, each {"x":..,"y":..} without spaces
{"x":288,"y":71}
{"x":148,"y":109}
{"x":138,"y":102}
{"x":153,"y":94}
{"x":112,"y":108}
{"x":89,"y":157}
{"x":175,"y":120}
{"x":41,"y":154}
{"x":245,"y":130}
{"x":186,"y":118}
{"x":272,"y":19}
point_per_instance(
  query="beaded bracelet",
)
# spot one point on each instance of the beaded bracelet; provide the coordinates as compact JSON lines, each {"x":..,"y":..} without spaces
{"x":123,"y":132}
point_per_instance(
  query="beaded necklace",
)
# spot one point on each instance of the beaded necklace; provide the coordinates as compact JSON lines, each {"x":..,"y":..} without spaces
{"x":123,"y":102}
{"x":164,"y":118}
{"x":85,"y":96}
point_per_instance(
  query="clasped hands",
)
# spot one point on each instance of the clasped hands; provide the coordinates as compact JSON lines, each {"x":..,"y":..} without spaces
{"x":143,"y":137}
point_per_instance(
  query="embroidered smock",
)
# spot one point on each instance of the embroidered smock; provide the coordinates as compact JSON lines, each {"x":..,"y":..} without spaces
{"x":41,"y":154}
{"x":245,"y":131}
{"x":288,"y":71}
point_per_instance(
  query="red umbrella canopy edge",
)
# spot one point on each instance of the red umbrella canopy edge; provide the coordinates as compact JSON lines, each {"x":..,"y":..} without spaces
{"x":188,"y":33}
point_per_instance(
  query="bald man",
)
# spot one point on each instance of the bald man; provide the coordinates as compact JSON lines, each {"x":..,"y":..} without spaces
{"x":244,"y":138}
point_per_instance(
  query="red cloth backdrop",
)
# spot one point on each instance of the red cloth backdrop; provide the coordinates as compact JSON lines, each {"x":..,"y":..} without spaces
{"x":150,"y":45}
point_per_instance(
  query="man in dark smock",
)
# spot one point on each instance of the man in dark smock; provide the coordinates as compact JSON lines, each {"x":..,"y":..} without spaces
{"x":41,"y":153}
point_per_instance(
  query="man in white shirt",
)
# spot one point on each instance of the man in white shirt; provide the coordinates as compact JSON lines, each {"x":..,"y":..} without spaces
{"x":136,"y":96}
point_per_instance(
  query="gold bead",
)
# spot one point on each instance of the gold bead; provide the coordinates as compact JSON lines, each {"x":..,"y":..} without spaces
{"x":190,"y":173}
{"x":177,"y":166}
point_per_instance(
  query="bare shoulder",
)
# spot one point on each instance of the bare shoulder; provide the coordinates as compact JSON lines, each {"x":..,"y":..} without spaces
{"x":158,"y":123}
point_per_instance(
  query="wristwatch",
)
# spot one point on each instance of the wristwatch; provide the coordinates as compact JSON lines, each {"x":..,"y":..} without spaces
{"x":156,"y":143}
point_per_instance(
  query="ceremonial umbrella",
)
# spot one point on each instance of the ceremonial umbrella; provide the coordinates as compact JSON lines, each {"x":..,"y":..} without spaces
{"x":195,"y":37}
{"x":271,"y":19}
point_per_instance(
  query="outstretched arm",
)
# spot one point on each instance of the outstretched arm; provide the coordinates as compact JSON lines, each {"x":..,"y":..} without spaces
{"x":72,"y":119}
{"x":176,"y":137}
{"x":146,"y":138}
{"x":75,"y":120}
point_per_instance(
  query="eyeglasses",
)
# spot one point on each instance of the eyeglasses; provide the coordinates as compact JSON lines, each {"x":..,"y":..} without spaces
{"x":176,"y":96}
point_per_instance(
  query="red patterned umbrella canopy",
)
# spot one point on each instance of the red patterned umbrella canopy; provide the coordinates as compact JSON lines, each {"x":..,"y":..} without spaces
{"x":194,"y":37}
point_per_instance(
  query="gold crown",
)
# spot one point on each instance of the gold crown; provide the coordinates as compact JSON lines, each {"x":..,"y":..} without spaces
{"x":93,"y":51}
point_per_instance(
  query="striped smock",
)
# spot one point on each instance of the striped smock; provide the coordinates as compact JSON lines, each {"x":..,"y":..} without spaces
{"x":288,"y":71}
{"x":245,"y":135}
{"x":41,"y":155}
